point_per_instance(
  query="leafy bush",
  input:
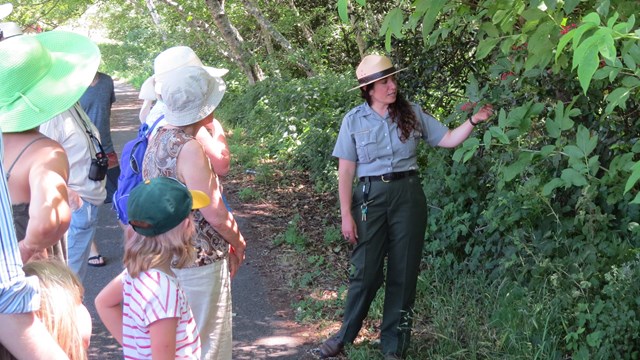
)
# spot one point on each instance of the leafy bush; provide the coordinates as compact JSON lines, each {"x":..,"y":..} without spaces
{"x":296,"y":124}
{"x":546,"y":195}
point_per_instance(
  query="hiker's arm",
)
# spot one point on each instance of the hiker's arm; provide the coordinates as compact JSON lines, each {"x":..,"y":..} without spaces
{"x":49,"y":212}
{"x":163,"y":338}
{"x":26,"y":337}
{"x":214,"y":142}
{"x":192,"y":157}
{"x":109,"y":307}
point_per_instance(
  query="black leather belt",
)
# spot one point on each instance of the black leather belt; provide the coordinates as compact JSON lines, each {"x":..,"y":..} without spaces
{"x":390,"y":176}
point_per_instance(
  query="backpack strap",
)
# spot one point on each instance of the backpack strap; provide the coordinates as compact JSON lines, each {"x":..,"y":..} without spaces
{"x":150,"y":130}
{"x":20,"y":154}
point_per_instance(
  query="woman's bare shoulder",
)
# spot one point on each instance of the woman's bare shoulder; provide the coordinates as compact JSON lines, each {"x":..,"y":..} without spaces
{"x":51,"y":155}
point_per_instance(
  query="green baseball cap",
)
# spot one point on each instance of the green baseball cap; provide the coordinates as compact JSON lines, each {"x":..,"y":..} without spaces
{"x":158,"y":205}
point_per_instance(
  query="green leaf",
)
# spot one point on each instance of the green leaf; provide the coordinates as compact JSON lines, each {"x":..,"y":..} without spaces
{"x":586,"y":59}
{"x":606,"y":45}
{"x":468,"y":155}
{"x":498,"y":16}
{"x":387,"y":41}
{"x":629,"y":61}
{"x":362,"y":2}
{"x":548,"y":188}
{"x":551,"y":4}
{"x":470,"y":145}
{"x":553,"y":128}
{"x":602,"y":7}
{"x":625,"y":27}
{"x":593,"y":18}
{"x":630,"y":81}
{"x":594,"y":164}
{"x":633,"y":179}
{"x":457,"y":155}
{"x":569,"y":5}
{"x":499,"y":134}
{"x":602,"y":73}
{"x":612,"y":20}
{"x":516,"y":168}
{"x":473,"y":90}
{"x":342,"y":10}
{"x":547,"y":149}
{"x":613,"y":74}
{"x":571,"y":176}
{"x":564,"y":40}
{"x":577,"y":33}
{"x":490,"y":29}
{"x":430,"y":17}
{"x":585,"y":141}
{"x":617,"y":98}
{"x":595,"y":338}
{"x":533,"y":14}
{"x":540,"y":46}
{"x":574,"y":152}
{"x":393,"y":22}
{"x":486,"y":139}
{"x":485,"y":46}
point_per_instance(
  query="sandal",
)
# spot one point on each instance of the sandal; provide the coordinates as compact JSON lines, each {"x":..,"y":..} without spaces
{"x":331,"y":347}
{"x":96,"y":261}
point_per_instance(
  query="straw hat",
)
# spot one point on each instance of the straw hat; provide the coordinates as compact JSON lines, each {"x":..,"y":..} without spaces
{"x":5,"y":10}
{"x":190,"y":94}
{"x":373,"y":68}
{"x":171,"y":59}
{"x":42,"y":76}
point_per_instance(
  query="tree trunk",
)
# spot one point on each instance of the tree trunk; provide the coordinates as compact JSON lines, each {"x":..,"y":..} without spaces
{"x":202,"y":27}
{"x":308,"y":34}
{"x":275,"y":34}
{"x":155,"y":17}
{"x":362,"y":46}
{"x":242,"y":57}
{"x":267,"y":41}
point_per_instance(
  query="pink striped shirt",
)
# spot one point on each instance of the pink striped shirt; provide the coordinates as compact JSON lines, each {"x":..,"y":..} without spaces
{"x":150,"y":297}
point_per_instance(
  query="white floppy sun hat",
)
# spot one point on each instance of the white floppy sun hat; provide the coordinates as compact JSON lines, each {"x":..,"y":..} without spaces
{"x":5,"y":10}
{"x":190,"y":94}
{"x":171,"y":59}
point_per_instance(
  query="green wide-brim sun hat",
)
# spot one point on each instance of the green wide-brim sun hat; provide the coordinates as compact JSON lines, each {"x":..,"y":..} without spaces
{"x":43,"y":75}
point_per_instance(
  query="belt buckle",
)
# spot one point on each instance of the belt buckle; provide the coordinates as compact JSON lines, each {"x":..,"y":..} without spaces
{"x":384,"y":179}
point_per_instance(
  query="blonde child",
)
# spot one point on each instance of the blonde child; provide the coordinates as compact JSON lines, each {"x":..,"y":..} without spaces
{"x":145,"y":308}
{"x":61,"y":309}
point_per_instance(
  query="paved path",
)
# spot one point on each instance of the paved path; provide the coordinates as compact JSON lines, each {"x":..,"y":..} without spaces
{"x":260,"y":330}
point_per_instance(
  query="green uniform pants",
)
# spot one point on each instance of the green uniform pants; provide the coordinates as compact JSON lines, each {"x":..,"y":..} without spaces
{"x":394,"y":228}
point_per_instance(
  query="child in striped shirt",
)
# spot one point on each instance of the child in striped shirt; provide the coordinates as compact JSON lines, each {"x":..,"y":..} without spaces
{"x":145,"y":308}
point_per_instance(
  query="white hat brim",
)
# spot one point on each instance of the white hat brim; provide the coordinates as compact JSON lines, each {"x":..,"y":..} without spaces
{"x":5,"y":10}
{"x":147,"y":90}
{"x":216,"y":92}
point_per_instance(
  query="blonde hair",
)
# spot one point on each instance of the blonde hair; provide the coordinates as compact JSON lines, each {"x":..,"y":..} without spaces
{"x":175,"y":246}
{"x":61,"y":292}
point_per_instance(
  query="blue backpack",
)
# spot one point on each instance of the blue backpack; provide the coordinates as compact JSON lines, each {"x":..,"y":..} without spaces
{"x":131,"y":169}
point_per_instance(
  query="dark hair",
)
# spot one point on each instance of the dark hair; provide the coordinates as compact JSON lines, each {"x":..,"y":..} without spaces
{"x":400,"y":112}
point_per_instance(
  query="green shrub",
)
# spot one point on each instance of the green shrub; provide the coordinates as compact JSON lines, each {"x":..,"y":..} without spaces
{"x":296,"y":125}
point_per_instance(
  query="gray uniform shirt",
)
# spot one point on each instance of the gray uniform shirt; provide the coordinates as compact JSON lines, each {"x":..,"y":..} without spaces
{"x":373,"y":142}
